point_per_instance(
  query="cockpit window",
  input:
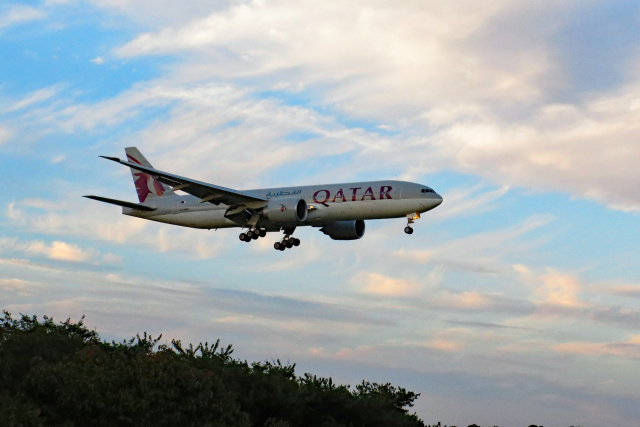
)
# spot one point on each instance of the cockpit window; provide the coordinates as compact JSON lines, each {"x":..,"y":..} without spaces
{"x":427,"y":190}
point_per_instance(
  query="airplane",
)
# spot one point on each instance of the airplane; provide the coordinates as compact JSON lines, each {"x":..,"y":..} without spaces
{"x":339,"y":210}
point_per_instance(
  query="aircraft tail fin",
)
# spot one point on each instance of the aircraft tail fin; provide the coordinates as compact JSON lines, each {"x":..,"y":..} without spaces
{"x":147,"y":186}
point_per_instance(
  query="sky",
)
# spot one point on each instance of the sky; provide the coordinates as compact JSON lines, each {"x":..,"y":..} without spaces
{"x":515,"y":302}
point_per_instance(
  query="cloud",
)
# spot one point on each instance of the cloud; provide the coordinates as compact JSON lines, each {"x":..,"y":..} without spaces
{"x":465,"y":87}
{"x":464,"y":300}
{"x":443,"y":345}
{"x":154,"y":13}
{"x":161,"y":301}
{"x":448,"y":341}
{"x":56,"y":250}
{"x":627,"y":290}
{"x":5,"y":134}
{"x":559,"y":289}
{"x":81,"y":217}
{"x":482,"y":325}
{"x":14,"y":214}
{"x":68,"y":252}
{"x":379,"y":284}
{"x":419,"y":55}
{"x":19,"y":286}
{"x":211,"y":121}
{"x":450,"y":99}
{"x":34,"y":98}
{"x":481,"y":252}
{"x":284,"y":307}
{"x":558,"y":147}
{"x":560,"y":296}
{"x":468,"y":201}
{"x":70,"y":118}
{"x":18,"y":14}
{"x":630,"y":349}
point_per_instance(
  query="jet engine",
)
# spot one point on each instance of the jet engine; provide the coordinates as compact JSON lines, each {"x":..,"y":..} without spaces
{"x":344,"y":230}
{"x":286,"y":211}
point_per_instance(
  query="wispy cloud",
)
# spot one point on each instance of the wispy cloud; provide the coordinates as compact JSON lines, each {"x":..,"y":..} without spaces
{"x":629,"y":349}
{"x":379,"y":284}
{"x":468,"y":201}
{"x":480,"y":252}
{"x":17,"y":14}
{"x":623,"y":290}
{"x":5,"y":134}
{"x":34,"y":98}
{"x":19,"y":286}
{"x":81,"y":217}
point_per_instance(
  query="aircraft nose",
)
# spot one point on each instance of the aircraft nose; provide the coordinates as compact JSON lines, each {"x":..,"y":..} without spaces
{"x":438,"y":200}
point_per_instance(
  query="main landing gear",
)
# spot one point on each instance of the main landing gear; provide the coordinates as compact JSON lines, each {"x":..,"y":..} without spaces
{"x":286,"y":243}
{"x":410,"y":219}
{"x":253,"y":234}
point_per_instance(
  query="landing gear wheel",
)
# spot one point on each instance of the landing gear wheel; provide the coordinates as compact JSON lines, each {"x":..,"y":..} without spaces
{"x":296,"y":242}
{"x":243,"y":237}
{"x":408,"y":230}
{"x":255,"y":236}
{"x":277,"y":246}
{"x":263,"y":232}
{"x":289,"y":244}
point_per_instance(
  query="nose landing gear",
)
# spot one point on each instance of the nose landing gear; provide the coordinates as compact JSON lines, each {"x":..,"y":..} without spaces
{"x":410,"y":219}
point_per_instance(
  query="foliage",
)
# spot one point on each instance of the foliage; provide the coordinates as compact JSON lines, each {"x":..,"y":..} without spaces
{"x":63,"y":374}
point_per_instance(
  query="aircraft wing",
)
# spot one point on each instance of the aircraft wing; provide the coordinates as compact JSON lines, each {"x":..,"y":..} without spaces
{"x":207,"y":192}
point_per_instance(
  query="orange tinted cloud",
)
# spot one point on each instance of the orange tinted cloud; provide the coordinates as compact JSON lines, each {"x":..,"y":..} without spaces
{"x":559,"y":289}
{"x":379,"y":284}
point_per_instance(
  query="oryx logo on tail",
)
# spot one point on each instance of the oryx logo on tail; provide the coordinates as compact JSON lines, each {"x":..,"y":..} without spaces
{"x":146,"y":185}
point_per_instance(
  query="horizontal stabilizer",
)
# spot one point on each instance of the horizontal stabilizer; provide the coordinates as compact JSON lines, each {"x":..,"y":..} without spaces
{"x":115,"y":159}
{"x":121,"y":203}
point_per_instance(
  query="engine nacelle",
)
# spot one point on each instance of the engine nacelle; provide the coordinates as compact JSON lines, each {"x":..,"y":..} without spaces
{"x":286,"y":211}
{"x":344,"y":230}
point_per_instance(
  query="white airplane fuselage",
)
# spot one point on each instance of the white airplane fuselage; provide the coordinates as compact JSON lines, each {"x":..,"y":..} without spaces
{"x":339,"y":209}
{"x":326,"y":203}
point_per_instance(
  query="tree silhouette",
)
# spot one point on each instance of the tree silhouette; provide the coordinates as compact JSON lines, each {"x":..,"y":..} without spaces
{"x":64,"y":374}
